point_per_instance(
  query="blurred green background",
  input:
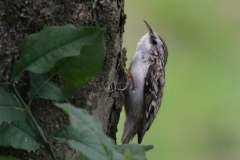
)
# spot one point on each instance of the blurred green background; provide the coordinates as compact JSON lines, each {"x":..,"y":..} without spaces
{"x":199,"y":118}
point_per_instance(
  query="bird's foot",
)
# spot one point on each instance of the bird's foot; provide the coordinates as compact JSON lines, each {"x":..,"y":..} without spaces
{"x":130,"y":76}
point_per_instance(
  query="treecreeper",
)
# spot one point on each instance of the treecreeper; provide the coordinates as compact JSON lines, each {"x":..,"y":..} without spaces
{"x":145,"y":85}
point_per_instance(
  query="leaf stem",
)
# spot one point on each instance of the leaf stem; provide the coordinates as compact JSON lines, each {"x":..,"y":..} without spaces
{"x":38,"y":128}
{"x":5,"y":82}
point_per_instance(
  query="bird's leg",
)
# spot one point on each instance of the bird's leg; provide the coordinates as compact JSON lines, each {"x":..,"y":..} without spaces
{"x":130,"y":76}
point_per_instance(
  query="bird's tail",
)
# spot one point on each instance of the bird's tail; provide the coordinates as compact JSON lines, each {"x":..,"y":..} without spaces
{"x":130,"y":130}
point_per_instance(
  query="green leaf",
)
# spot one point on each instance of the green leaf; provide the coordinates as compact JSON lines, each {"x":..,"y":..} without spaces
{"x":137,"y":151}
{"x":7,"y":99}
{"x":76,"y":70}
{"x":41,"y":51}
{"x":8,"y":158}
{"x":86,"y":134}
{"x":82,"y":157}
{"x":19,"y":135}
{"x":41,"y":88}
{"x":83,"y":68}
{"x":10,"y":108}
{"x":127,"y":155}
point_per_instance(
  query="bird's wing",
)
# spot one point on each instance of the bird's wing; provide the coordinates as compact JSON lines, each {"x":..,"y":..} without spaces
{"x":153,"y":93}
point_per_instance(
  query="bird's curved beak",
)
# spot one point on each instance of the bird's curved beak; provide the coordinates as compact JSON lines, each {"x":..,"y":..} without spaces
{"x":149,"y":28}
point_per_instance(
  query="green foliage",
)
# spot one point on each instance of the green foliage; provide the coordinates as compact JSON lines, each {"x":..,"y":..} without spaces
{"x":41,"y":51}
{"x":76,"y":55}
{"x":19,"y":134}
{"x":73,"y":54}
{"x":8,"y":158}
{"x":10,"y":109}
{"x":15,"y":123}
{"x":82,"y":157}
{"x":133,"y":151}
{"x":85,"y":133}
{"x":41,"y":88}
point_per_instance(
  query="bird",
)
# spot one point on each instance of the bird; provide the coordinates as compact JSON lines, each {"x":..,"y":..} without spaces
{"x":145,"y":85}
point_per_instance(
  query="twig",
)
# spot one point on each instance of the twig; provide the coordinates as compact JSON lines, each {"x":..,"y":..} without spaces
{"x":44,"y":139}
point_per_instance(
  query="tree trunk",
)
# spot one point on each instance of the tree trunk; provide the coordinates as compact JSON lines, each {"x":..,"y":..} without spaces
{"x":101,"y":97}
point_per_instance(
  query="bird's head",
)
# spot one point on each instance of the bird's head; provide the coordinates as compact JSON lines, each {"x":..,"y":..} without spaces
{"x":152,"y":44}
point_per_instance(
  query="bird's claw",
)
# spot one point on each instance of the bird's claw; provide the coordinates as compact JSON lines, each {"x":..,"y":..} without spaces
{"x":130,"y":76}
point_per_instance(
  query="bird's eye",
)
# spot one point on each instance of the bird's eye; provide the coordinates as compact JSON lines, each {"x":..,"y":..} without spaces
{"x":154,"y":42}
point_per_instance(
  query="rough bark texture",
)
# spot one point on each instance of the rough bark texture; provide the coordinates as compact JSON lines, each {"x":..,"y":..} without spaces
{"x":19,"y":18}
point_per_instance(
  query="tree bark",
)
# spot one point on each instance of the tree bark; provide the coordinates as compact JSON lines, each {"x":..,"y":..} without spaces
{"x":101,"y":97}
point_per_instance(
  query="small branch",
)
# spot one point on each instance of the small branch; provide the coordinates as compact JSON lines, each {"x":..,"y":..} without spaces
{"x":5,"y":82}
{"x":49,"y":148}
{"x":39,"y":129}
